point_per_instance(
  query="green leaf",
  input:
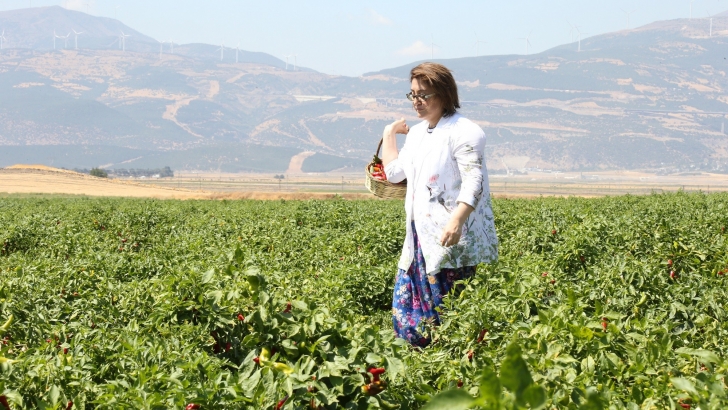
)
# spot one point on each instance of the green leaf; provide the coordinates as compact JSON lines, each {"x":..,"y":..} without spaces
{"x":207,"y":276}
{"x":238,"y":255}
{"x":373,"y":358}
{"x":535,"y":396}
{"x":490,"y":386}
{"x":706,"y":356}
{"x":54,"y":394}
{"x":581,"y":332}
{"x":395,"y":367}
{"x":427,"y":388}
{"x":453,"y":399}
{"x":514,"y":371}
{"x":683,"y":384}
{"x":593,"y":401}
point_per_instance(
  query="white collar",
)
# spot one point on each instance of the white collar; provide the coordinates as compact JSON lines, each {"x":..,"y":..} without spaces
{"x":444,"y":123}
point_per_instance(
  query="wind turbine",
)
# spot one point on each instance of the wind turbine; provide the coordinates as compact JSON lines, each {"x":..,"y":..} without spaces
{"x":628,"y":14}
{"x":75,"y":39}
{"x":294,"y":61}
{"x":571,"y":32}
{"x":55,"y":36}
{"x":432,"y":48}
{"x":580,"y":34}
{"x":710,"y":16}
{"x":528,"y":41}
{"x":477,"y":44}
{"x":287,"y":57}
{"x":123,"y":40}
{"x":65,"y":40}
{"x":161,"y":44}
{"x":222,"y":50}
{"x":171,"y":46}
{"x":2,"y":38}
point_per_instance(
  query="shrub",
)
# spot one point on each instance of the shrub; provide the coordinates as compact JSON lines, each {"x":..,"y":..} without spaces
{"x":98,"y":172}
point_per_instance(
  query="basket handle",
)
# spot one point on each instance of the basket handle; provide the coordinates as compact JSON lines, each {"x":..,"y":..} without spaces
{"x":379,"y":147}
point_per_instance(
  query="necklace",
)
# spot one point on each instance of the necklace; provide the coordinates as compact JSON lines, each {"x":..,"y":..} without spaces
{"x":430,"y":129}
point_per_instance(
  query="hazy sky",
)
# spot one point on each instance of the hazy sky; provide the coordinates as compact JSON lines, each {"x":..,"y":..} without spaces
{"x":353,"y":37}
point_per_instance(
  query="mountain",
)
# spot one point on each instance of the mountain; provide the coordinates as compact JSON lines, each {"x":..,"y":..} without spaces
{"x":647,"y":98}
{"x":56,"y":28}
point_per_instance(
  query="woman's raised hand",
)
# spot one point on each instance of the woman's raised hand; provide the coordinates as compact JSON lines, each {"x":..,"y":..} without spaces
{"x":398,"y":127}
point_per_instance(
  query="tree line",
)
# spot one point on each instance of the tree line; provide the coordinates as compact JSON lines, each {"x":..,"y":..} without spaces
{"x":164,"y":172}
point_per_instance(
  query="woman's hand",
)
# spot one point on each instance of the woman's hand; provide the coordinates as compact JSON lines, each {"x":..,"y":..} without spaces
{"x":454,"y":228}
{"x":398,"y":127}
{"x":451,"y":234}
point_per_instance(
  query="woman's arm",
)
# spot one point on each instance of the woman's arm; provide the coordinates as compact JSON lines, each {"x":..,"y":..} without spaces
{"x":469,"y":153}
{"x":389,"y":143}
{"x":390,"y":155}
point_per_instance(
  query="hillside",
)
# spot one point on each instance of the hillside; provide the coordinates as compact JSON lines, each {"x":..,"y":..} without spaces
{"x":647,"y":98}
{"x":651,"y":97}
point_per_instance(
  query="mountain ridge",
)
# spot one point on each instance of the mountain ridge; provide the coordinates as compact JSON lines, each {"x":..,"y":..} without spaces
{"x":645,"y":98}
{"x":35,"y":29}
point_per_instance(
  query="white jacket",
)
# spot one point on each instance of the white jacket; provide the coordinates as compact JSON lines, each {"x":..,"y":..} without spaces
{"x":443,"y":168}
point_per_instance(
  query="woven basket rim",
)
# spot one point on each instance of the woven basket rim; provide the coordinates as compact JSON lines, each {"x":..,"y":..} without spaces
{"x":384,"y":189}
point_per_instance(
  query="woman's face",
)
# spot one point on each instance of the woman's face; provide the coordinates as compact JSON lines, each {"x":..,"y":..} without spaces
{"x":429,"y":109}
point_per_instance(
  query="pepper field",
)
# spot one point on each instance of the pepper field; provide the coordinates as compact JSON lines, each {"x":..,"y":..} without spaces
{"x":121,"y":303}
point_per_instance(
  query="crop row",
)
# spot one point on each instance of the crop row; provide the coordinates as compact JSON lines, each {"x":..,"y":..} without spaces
{"x":594,"y":303}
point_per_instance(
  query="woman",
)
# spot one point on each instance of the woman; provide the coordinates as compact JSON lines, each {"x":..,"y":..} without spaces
{"x":450,"y":226}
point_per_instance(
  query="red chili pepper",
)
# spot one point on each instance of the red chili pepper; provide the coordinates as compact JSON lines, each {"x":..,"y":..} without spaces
{"x":376,"y":371}
{"x":4,"y":401}
{"x":470,"y":355}
{"x":460,"y":384}
{"x":281,"y":403}
{"x":481,"y":336}
{"x":256,"y":360}
{"x":241,"y":317}
{"x":288,"y":308}
{"x":69,"y":406}
{"x":192,"y":406}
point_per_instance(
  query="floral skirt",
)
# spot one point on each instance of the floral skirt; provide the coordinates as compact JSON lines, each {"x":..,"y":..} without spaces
{"x":417,"y":294}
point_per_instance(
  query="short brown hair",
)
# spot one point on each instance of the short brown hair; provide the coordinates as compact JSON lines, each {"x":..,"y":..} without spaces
{"x":442,"y":82}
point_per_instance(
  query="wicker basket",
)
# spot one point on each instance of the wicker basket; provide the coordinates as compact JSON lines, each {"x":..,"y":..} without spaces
{"x":384,"y":189}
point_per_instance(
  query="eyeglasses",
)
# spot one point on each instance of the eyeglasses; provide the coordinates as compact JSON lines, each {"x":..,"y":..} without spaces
{"x":421,"y":97}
